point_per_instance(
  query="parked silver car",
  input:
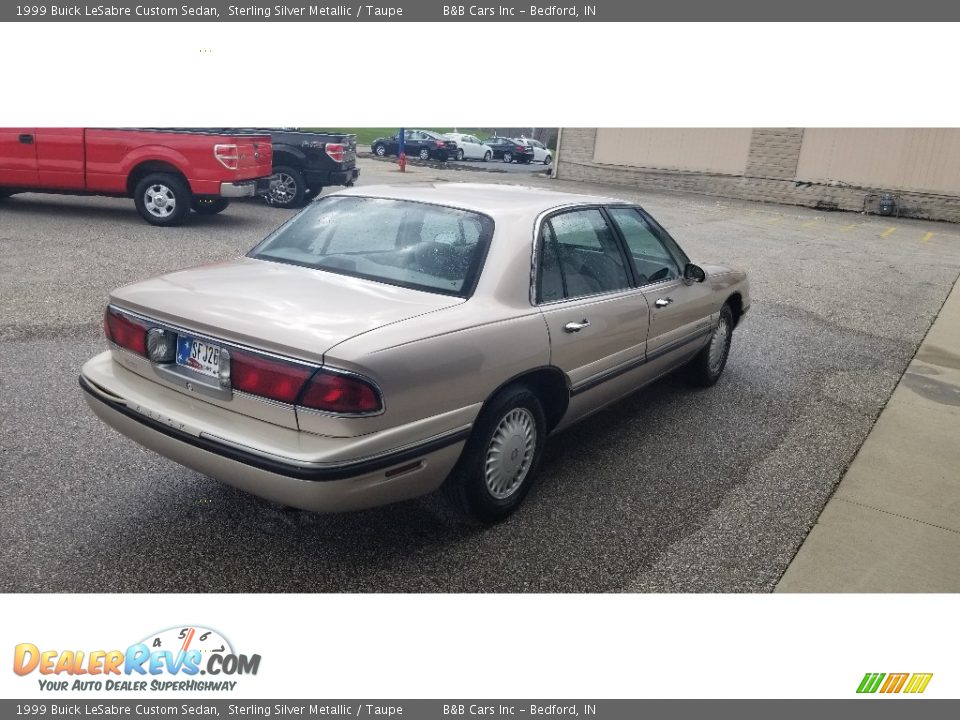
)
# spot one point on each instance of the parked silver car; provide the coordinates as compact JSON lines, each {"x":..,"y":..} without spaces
{"x":387,"y":340}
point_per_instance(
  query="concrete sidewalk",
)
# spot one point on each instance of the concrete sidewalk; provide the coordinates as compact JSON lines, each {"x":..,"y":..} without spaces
{"x":893,"y":523}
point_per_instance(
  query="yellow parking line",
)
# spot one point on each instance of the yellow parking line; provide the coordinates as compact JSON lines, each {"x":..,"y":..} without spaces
{"x":810,"y":224}
{"x":888,"y":232}
{"x":848,"y":228}
{"x":775,"y":219}
{"x":926,"y":238}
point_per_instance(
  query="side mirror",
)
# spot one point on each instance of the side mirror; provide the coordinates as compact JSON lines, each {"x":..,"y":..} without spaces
{"x":694,"y":273}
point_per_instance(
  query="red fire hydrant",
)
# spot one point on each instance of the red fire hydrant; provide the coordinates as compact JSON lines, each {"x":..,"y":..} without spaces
{"x":402,"y":162}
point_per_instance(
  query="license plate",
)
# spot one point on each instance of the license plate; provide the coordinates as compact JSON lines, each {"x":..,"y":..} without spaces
{"x":197,"y":355}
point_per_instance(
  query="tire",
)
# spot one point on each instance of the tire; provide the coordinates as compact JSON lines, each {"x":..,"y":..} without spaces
{"x":163,"y":199}
{"x":206,"y":206}
{"x":424,"y":154}
{"x":290,"y":191}
{"x":460,"y":154}
{"x":508,"y":437}
{"x":380,"y":150}
{"x":708,"y":364}
{"x":547,"y":160}
{"x":508,"y":157}
{"x":487,"y":156}
{"x":311,"y":192}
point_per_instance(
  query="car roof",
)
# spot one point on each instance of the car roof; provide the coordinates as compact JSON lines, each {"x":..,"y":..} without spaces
{"x":487,"y":198}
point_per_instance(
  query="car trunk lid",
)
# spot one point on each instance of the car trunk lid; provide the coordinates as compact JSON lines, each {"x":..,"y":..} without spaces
{"x":295,"y":311}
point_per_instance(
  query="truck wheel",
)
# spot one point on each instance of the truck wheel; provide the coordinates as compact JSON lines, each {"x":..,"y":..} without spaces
{"x":290,"y":189}
{"x":162,"y":199}
{"x":210,"y":206}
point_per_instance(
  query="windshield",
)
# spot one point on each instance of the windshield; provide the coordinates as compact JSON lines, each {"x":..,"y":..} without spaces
{"x":416,"y":245}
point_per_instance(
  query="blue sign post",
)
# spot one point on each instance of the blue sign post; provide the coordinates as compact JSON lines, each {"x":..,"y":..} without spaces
{"x":402,"y":156}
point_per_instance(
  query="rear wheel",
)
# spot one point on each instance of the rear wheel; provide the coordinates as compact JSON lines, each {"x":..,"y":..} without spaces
{"x":210,"y":206}
{"x":289,"y":190}
{"x":708,"y":364}
{"x":547,"y":160}
{"x":487,"y":155}
{"x":508,"y":157}
{"x":501,"y":457}
{"x":460,"y":154}
{"x":162,"y":199}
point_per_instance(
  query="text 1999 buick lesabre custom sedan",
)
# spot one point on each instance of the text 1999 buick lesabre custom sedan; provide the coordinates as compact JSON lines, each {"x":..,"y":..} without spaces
{"x":389,"y":339}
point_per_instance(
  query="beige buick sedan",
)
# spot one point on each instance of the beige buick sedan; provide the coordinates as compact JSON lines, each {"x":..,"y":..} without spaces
{"x":389,"y":340}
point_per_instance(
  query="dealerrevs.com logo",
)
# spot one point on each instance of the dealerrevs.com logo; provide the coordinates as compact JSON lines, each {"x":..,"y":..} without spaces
{"x":172,"y":659}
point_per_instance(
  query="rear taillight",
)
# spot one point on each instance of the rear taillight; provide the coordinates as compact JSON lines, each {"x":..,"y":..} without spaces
{"x":336,"y":151}
{"x":341,"y":394}
{"x":125,"y":332}
{"x":227,"y":155}
{"x":440,"y":143}
{"x":274,"y":379}
{"x":520,"y":148}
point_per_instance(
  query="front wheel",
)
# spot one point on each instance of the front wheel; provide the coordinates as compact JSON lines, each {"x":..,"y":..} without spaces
{"x":289,"y":190}
{"x":500,"y":459}
{"x":208,"y":206}
{"x":508,"y":157}
{"x":380,"y":150}
{"x":424,"y":154}
{"x":708,"y":364}
{"x":162,"y":199}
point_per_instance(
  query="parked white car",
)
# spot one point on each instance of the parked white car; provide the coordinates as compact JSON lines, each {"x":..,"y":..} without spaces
{"x":541,"y":153}
{"x":470,"y":147}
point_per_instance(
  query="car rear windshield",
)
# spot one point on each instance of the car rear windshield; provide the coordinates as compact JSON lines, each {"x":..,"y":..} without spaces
{"x":417,"y":245}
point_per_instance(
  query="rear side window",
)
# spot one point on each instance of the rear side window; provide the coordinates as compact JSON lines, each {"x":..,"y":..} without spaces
{"x":416,"y":245}
{"x":651,"y":257}
{"x":579,"y":256}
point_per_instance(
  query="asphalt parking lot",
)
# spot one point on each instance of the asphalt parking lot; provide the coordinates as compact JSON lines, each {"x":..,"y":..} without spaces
{"x":674,"y":489}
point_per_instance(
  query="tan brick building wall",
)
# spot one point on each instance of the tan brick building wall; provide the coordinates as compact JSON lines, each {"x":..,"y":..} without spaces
{"x":904,"y":162}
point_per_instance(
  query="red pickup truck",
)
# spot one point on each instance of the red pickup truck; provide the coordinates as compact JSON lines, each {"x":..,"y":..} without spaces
{"x":167,"y":172}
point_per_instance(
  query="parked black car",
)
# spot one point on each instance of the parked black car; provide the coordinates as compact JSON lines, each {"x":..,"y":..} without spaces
{"x":423,"y":144}
{"x":509,"y":150}
{"x":306,"y":162}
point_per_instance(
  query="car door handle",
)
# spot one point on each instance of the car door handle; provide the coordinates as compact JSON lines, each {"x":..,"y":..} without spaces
{"x":26,"y":139}
{"x":572,"y":327}
{"x":663,"y":302}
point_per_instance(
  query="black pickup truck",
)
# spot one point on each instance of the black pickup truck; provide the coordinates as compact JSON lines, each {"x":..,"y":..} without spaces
{"x":306,"y":162}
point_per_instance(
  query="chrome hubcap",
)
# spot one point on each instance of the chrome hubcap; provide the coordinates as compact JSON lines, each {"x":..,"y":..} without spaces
{"x":718,"y":345}
{"x":160,"y":201}
{"x":510,"y":453}
{"x":285,"y":189}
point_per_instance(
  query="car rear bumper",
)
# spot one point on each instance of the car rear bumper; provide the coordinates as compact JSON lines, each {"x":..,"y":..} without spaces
{"x":327,"y":178}
{"x":338,"y":475}
{"x":247,"y":188}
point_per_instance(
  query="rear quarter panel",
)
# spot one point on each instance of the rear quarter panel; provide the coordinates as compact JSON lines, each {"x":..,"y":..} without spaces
{"x":448,"y":361}
{"x":113,"y":154}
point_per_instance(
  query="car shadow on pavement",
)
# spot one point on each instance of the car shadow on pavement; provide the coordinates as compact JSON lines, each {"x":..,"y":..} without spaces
{"x":74,"y":209}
